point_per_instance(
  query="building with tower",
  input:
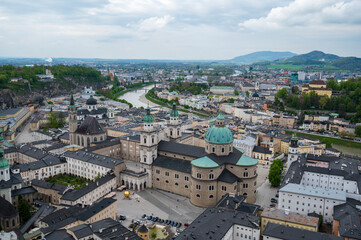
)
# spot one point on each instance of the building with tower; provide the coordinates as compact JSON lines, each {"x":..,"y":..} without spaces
{"x":8,"y":181}
{"x":205,"y":174}
{"x":174,"y":125}
{"x":292,"y":150}
{"x":89,"y":131}
{"x":93,"y":109}
{"x":148,"y":145}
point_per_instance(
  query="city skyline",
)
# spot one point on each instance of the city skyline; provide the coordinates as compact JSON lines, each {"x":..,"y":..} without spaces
{"x":183,"y":30}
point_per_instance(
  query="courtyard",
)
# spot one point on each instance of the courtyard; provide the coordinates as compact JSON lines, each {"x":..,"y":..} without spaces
{"x":66,"y":180}
{"x":156,"y":203}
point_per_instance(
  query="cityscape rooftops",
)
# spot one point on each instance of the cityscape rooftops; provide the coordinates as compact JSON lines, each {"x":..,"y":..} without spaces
{"x":288,"y":216}
{"x":314,"y":191}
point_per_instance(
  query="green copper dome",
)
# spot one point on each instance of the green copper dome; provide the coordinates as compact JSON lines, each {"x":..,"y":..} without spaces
{"x":174,"y":112}
{"x":220,"y":116}
{"x":219,"y":135}
{"x":148,"y":118}
{"x":3,"y":162}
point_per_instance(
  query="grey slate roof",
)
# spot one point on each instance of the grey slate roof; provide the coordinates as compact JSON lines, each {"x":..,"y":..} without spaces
{"x":47,"y":160}
{"x":64,"y":217}
{"x":73,"y":195}
{"x":111,"y":229}
{"x":173,"y":163}
{"x":228,"y":177}
{"x":90,"y":126}
{"x":261,"y":150}
{"x":182,"y":149}
{"x":81,"y":231}
{"x":94,"y":158}
{"x":60,"y":234}
{"x":290,"y":233}
{"x":23,"y":191}
{"x":95,"y":208}
{"x":7,"y":210}
{"x":348,"y":215}
{"x":47,"y":185}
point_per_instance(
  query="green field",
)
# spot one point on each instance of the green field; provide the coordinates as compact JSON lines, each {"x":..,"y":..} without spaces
{"x":286,"y":66}
{"x":65,"y":180}
{"x":329,"y":141}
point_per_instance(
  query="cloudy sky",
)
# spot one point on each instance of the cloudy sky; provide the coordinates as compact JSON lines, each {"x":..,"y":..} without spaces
{"x":177,"y":29}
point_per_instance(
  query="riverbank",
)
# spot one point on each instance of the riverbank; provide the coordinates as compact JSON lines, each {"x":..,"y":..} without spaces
{"x":148,"y":97}
{"x":144,"y":100}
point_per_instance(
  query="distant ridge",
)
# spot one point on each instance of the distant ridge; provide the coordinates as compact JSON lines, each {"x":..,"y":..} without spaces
{"x":313,"y":56}
{"x":261,"y":56}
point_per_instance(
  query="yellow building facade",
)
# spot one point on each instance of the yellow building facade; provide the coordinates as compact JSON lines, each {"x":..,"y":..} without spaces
{"x":287,"y":218}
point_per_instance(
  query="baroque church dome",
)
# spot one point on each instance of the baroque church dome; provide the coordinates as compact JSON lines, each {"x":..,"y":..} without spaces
{"x":91,"y":101}
{"x":219,"y":133}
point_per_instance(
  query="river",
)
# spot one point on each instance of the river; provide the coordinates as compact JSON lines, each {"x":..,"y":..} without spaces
{"x":137,"y":98}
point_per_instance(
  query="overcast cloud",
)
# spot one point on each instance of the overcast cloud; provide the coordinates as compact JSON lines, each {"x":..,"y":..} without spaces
{"x":177,"y":29}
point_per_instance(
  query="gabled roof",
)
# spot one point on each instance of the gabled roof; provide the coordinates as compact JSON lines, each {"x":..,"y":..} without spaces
{"x":285,"y":232}
{"x":90,"y":126}
{"x":228,"y":177}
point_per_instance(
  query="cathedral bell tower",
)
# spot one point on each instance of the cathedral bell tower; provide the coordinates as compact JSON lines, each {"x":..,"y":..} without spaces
{"x":292,"y":151}
{"x":148,"y":145}
{"x":174,"y":125}
{"x":73,"y":120}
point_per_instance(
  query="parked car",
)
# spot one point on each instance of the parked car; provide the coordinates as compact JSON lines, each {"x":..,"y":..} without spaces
{"x":122,"y":217}
{"x":144,"y":216}
{"x":272,"y":205}
{"x":273,"y":200}
{"x":186,"y":224}
{"x":277,"y":195}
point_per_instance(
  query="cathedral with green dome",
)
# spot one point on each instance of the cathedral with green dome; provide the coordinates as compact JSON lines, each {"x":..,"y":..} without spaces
{"x":201,"y":173}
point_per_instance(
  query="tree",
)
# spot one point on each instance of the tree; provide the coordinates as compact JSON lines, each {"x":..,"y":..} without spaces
{"x":231,"y":100}
{"x":102,"y":99}
{"x":52,"y":120}
{"x":236,"y":92}
{"x":323,"y":102}
{"x":24,"y":210}
{"x":275,"y":171}
{"x":61,"y":120}
{"x":358,"y":130}
{"x":282,"y":94}
{"x":50,"y":103}
{"x":295,"y":90}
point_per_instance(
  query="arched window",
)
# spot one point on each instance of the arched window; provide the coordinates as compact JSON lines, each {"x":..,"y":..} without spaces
{"x":78,"y":140}
{"x":101,"y":138}
{"x":88,"y":141}
{"x":95,"y":139}
{"x":145,"y":140}
{"x":82,"y":141}
{"x":171,"y":132}
{"x":213,"y":149}
{"x":211,"y":176}
{"x":244,"y":194}
{"x":198,"y":196}
{"x":222,"y":149}
{"x":152,"y":140}
{"x":245,"y":174}
{"x":199,"y":175}
{"x":211,"y":196}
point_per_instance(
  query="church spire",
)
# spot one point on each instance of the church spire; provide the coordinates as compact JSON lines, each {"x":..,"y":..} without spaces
{"x":72,"y":103}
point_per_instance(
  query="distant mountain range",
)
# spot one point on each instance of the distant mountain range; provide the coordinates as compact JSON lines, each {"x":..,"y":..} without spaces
{"x":261,"y":56}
